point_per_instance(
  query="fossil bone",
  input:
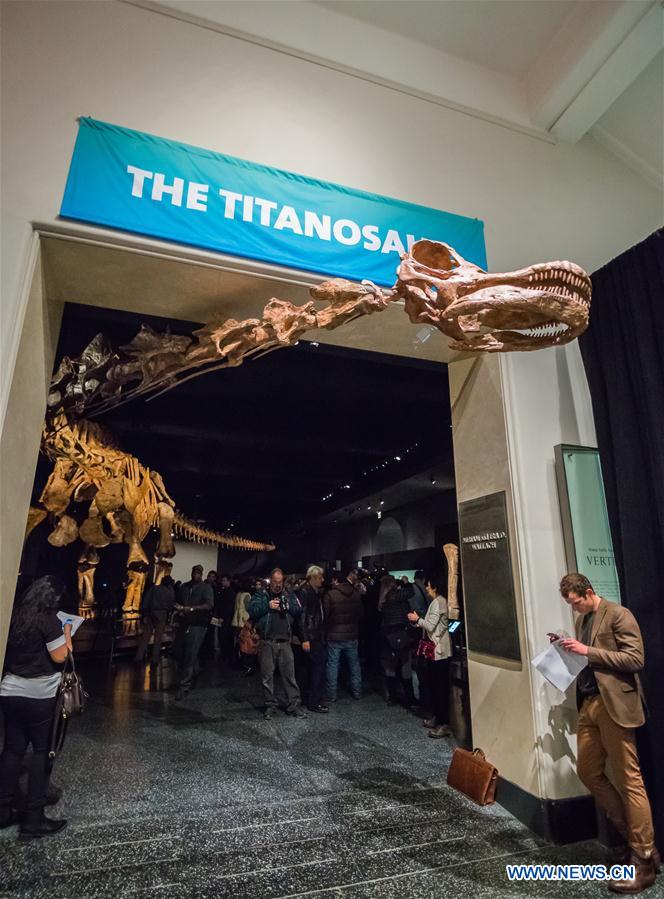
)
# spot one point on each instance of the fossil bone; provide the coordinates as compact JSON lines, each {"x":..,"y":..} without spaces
{"x":87,"y":565}
{"x":166,"y":548}
{"x":65,"y":531}
{"x":35,"y":518}
{"x":135,"y":584}
{"x":451,"y":551}
{"x":544,"y":305}
{"x":92,"y":530}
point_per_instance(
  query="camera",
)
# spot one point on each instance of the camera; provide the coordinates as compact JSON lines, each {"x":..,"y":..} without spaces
{"x":283,"y":605}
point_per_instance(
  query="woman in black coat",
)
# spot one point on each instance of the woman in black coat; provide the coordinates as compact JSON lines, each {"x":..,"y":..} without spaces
{"x":396,"y":640}
{"x":36,"y":647}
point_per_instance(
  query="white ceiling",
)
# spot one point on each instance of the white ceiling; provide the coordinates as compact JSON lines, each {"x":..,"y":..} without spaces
{"x":636,"y":118}
{"x":557,"y":69}
{"x":481,"y":31}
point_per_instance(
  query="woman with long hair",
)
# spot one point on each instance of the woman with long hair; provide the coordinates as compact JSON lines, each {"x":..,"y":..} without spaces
{"x":37,"y":645}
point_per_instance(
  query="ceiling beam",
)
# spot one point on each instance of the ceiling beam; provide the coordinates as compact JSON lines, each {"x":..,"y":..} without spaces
{"x":596,"y":54}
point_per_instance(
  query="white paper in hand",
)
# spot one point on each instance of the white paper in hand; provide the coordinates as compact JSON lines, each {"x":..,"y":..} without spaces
{"x":75,"y":620}
{"x":558,"y":666}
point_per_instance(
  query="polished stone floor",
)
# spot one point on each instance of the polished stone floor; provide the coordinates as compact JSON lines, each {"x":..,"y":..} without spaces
{"x":203,"y":798}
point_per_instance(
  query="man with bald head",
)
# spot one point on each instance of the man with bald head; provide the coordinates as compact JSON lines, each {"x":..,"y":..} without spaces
{"x":277,"y":615}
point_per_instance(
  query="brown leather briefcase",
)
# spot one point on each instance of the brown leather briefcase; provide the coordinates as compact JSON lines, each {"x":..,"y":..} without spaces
{"x":472,"y":775}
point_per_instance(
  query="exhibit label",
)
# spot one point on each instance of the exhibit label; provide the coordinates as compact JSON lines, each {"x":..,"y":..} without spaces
{"x":488,"y":585}
{"x":149,"y":185}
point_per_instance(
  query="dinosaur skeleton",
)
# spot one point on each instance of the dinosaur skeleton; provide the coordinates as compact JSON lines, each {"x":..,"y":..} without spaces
{"x":125,"y":501}
{"x":529,"y":309}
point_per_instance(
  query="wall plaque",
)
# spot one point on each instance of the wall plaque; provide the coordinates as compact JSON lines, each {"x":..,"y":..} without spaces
{"x":585,"y":518}
{"x":488,"y":584}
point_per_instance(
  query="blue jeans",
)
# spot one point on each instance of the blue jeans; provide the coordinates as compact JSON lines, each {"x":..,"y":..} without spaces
{"x":335,"y":650}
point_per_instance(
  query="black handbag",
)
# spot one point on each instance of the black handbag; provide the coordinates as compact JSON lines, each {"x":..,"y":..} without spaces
{"x":70,"y":702}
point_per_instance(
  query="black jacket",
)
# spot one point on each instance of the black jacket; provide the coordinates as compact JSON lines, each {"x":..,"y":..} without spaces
{"x":342,"y":606}
{"x":312,"y":614}
{"x":395,"y":611}
{"x":224,"y":603}
{"x":160,"y":597}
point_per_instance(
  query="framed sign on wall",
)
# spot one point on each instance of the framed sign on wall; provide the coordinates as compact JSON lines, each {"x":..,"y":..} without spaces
{"x":585,"y":520}
{"x":486,"y":564}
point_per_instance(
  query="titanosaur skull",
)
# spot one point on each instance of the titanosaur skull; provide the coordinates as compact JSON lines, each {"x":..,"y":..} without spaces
{"x":547,"y":304}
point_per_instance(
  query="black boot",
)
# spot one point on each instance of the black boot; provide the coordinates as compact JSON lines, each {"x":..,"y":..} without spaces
{"x":7,"y":816}
{"x":408,"y":694}
{"x":392,"y":690}
{"x":35,"y":824}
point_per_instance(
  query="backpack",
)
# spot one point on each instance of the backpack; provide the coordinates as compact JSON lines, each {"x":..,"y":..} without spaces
{"x":248,"y":639}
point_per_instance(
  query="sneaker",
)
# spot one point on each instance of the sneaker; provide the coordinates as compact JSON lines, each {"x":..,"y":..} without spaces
{"x":356,"y":696}
{"x":268,"y":713}
{"x":319,"y":708}
{"x":429,"y":722}
{"x":298,"y":713}
{"x":442,"y":730}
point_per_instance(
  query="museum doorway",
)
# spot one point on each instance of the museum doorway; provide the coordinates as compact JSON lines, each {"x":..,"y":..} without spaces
{"x":154,"y":279}
{"x":82,"y":287}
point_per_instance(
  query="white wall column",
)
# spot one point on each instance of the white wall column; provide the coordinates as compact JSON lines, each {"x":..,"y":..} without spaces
{"x":508,"y":413}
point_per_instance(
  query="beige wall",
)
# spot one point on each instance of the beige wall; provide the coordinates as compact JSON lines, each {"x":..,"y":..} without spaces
{"x":19,"y":443}
{"x":500,"y":695}
{"x":508,"y":413}
{"x":189,"y":554}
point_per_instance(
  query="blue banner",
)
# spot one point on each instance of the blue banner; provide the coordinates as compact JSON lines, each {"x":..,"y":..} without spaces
{"x":149,"y":185}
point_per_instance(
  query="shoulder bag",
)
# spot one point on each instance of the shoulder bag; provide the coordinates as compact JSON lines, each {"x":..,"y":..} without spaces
{"x":70,"y":702}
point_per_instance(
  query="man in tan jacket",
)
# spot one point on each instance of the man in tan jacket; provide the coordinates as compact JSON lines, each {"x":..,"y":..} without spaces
{"x":611,"y":706}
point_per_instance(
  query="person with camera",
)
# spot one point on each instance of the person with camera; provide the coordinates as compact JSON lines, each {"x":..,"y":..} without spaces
{"x":276,"y":616}
{"x":36,"y":648}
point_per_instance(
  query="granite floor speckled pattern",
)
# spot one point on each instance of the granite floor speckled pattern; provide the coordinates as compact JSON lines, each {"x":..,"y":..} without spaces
{"x":203,"y":798}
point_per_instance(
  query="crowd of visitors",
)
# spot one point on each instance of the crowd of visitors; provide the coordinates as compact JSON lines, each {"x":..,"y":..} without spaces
{"x":313,"y":631}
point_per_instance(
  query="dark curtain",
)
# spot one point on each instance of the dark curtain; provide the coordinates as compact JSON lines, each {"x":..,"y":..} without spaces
{"x":623,"y":354}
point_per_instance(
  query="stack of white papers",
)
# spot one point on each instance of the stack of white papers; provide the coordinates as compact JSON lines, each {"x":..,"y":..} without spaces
{"x":75,"y":620}
{"x":558,"y":666}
